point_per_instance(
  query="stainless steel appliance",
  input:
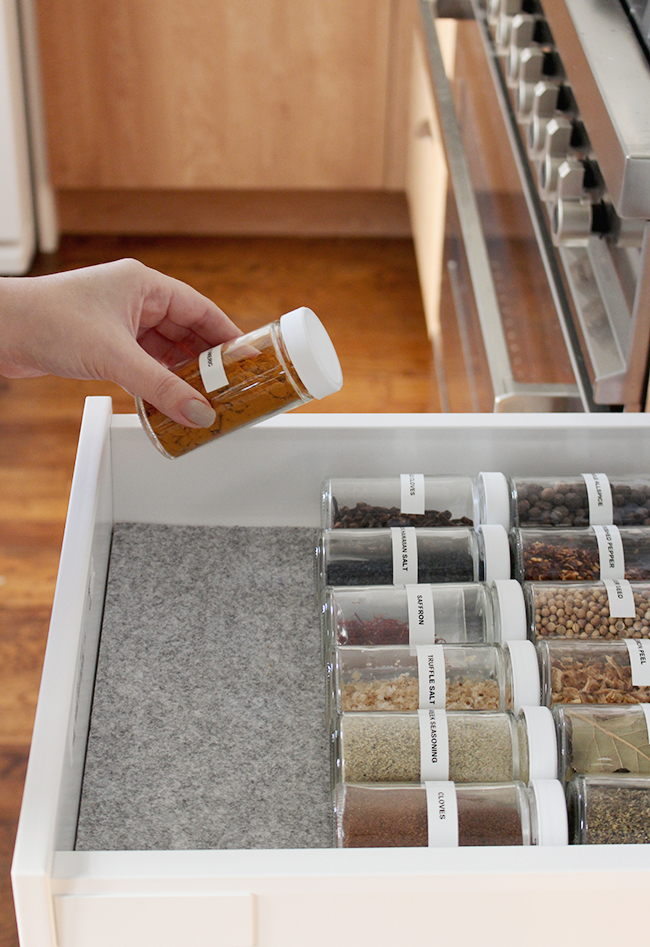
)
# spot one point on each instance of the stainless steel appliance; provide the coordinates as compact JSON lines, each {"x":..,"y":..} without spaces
{"x":572,"y":83}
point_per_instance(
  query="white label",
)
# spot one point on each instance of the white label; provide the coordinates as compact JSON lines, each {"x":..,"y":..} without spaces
{"x":610,"y":550}
{"x":405,"y":555}
{"x":213,"y":374}
{"x":620,"y":598}
{"x":442,"y":814}
{"x":422,"y":619}
{"x":431,"y":675}
{"x":639,"y":649}
{"x":412,"y":493}
{"x":599,"y":495}
{"x":434,"y":745}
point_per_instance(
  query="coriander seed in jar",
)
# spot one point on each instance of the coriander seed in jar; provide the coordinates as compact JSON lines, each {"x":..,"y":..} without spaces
{"x":255,"y":376}
{"x":606,"y":610}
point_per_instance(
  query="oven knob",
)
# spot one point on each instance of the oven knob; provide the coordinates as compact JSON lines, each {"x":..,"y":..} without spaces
{"x":536,"y":135}
{"x":545,"y":99}
{"x":531,"y":64}
{"x":525,"y":97}
{"x":557,"y":136}
{"x":571,"y":222}
{"x":522,"y":27}
{"x":548,"y":177}
{"x":571,"y":179}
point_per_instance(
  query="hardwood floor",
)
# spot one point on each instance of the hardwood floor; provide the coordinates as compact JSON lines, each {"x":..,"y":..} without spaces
{"x":365,"y":290}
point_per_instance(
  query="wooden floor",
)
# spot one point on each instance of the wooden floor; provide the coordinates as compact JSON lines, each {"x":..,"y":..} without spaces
{"x":367,"y":293}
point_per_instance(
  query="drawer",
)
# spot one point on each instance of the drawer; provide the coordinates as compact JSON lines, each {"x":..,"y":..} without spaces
{"x":271,"y":475}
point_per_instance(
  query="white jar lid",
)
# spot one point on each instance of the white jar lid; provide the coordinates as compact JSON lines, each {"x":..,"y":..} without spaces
{"x":526,"y":689}
{"x":542,"y":742}
{"x":512,"y":609}
{"x":552,"y":817}
{"x":497,"y":552}
{"x":311,"y":351}
{"x":496,"y":498}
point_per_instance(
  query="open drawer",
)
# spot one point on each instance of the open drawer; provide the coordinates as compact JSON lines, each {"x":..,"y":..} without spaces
{"x":271,"y":474}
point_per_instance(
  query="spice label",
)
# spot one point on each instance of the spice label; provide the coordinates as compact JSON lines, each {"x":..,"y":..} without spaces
{"x":620,"y":598}
{"x":412,"y":493}
{"x":213,"y":374}
{"x":421,"y":614}
{"x":599,"y":496}
{"x":639,"y":649}
{"x":432,"y":683}
{"x":610,"y":551}
{"x":434,"y":745}
{"x":405,"y":555}
{"x":442,"y":814}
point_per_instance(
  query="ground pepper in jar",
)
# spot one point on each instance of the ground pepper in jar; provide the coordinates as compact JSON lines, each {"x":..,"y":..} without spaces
{"x":609,"y":810}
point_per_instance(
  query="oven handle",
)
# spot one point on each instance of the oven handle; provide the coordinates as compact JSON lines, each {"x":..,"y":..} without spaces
{"x":509,"y":395}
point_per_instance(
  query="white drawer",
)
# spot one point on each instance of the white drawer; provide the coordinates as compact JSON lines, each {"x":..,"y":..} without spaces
{"x":271,"y":475}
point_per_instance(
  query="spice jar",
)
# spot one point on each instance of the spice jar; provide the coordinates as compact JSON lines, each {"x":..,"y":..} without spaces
{"x":609,"y":810}
{"x":565,"y":555}
{"x":455,"y":677}
{"x":405,"y":555}
{"x":583,"y":500}
{"x":414,"y":500}
{"x":260,"y":374}
{"x":614,"y":608}
{"x":598,"y":739}
{"x":598,"y":672}
{"x":464,"y":746}
{"x":453,"y":613}
{"x":443,"y":814}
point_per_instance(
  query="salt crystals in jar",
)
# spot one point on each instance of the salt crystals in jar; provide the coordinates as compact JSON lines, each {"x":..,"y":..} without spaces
{"x":605,"y":610}
{"x":599,"y":672}
{"x":444,"y":814}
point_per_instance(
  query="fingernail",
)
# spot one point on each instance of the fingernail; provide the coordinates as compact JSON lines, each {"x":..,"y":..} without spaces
{"x":196,"y":412}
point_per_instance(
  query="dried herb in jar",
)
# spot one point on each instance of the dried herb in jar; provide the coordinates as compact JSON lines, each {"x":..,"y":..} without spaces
{"x":612,"y":810}
{"x":598,"y":739}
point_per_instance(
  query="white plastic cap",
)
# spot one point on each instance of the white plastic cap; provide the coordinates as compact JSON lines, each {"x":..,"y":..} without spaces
{"x":552,"y":817}
{"x":497,"y":552}
{"x":542,"y":743}
{"x":496,"y":499}
{"x":311,"y":351}
{"x":526,"y":689}
{"x":512,"y":609}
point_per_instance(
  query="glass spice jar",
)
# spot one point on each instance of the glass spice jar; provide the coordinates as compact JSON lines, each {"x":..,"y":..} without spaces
{"x":260,"y":374}
{"x":455,"y":677}
{"x":573,"y":555}
{"x":444,"y":814}
{"x":598,"y":672}
{"x":464,"y":746}
{"x":405,"y":555}
{"x":414,"y":500}
{"x":614,"y":608}
{"x":598,"y":739}
{"x":445,"y":613}
{"x":582,"y":500}
{"x":609,"y":810}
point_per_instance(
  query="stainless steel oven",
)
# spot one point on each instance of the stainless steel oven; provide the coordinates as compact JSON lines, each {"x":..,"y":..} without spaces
{"x":545,"y":123}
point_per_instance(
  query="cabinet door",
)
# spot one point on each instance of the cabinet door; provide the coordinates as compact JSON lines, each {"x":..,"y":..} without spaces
{"x":216,"y":93}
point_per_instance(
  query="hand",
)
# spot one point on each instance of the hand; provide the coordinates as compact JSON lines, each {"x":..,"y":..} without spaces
{"x":117,"y":321}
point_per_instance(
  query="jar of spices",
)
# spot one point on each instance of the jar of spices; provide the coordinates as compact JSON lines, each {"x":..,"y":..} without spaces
{"x":452,"y":613}
{"x":260,"y":374}
{"x":609,"y":810}
{"x":582,"y":500}
{"x":455,"y":677}
{"x":414,"y":500}
{"x":602,"y":739}
{"x":598,"y":672}
{"x":613,"y":608}
{"x":573,"y":555}
{"x":406,"y":555}
{"x":444,"y":814}
{"x":464,"y":746}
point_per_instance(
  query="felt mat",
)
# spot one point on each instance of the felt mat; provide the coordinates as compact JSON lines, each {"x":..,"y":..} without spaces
{"x":208,"y":722}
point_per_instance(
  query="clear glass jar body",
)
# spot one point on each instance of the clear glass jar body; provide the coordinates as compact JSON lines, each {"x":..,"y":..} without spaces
{"x":463,"y":613}
{"x":389,"y":815}
{"x":609,"y":810}
{"x":543,"y":555}
{"x":582,"y":672}
{"x":371,"y":557}
{"x":262,"y":382}
{"x":581,"y":610}
{"x":601,"y":740}
{"x":563,"y":502}
{"x":380,"y":502}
